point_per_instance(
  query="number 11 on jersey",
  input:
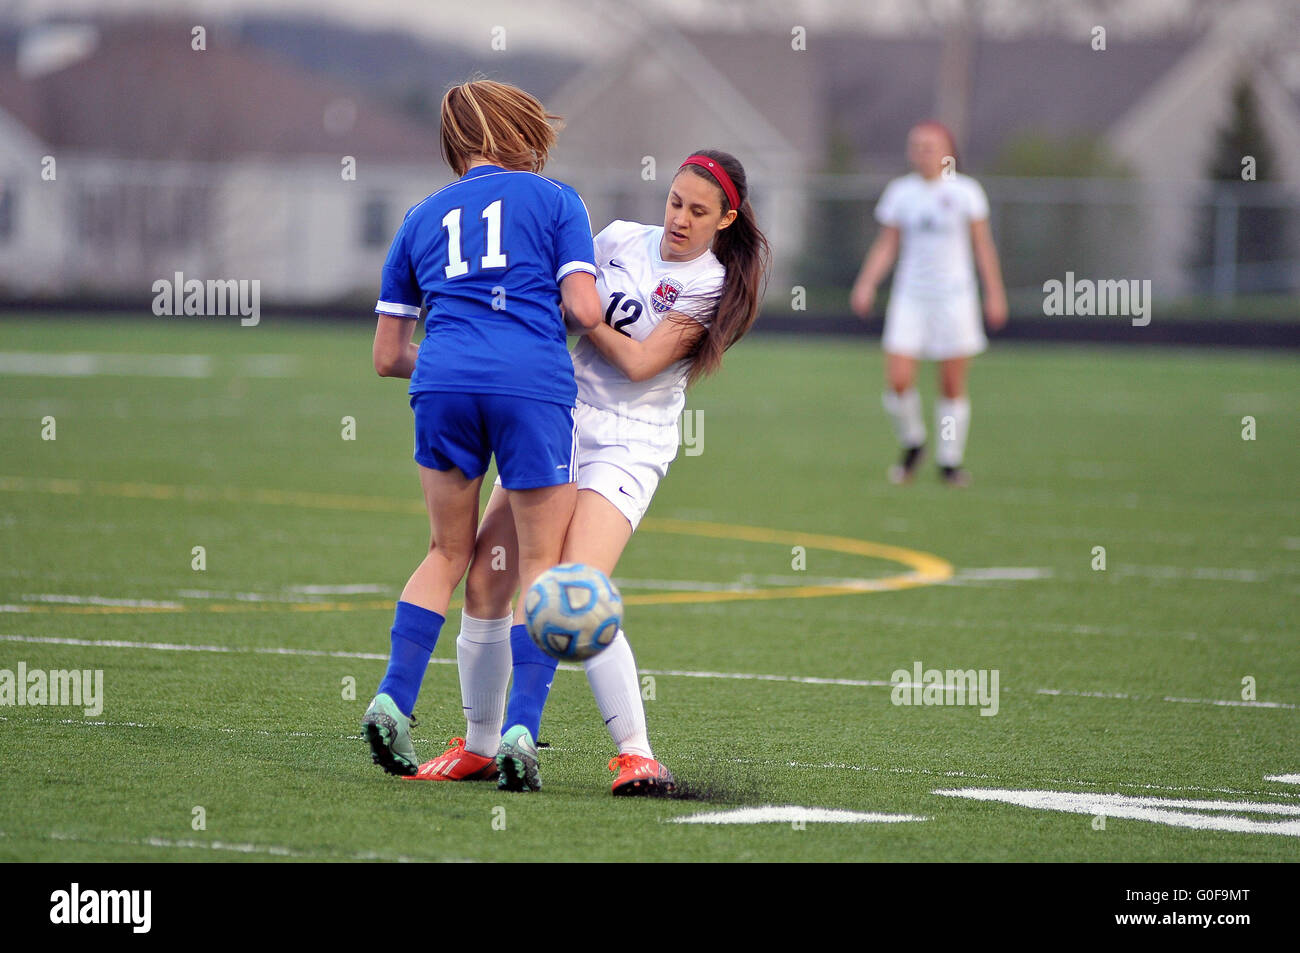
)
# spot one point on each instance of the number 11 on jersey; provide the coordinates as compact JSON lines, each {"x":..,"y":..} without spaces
{"x":495,"y":257}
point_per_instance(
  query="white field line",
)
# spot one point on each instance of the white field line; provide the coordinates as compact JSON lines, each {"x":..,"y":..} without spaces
{"x":878,"y":619}
{"x":1000,"y":573}
{"x":1283,"y":778}
{"x":245,"y":596}
{"x":753,"y":677}
{"x":745,"y":582}
{"x":348,"y":589}
{"x":87,"y":364}
{"x":111,"y":364}
{"x":1066,"y":628}
{"x":740,"y":585}
{"x":188,"y":647}
{"x":1202,"y":573}
{"x":271,"y":850}
{"x":886,"y":769}
{"x":64,"y":599}
{"x":288,"y":594}
{"x":1246,"y":807}
{"x":874,"y":618}
{"x":748,"y":580}
{"x":222,"y":729}
{"x":791,"y":813}
{"x":1223,"y":702}
{"x":435,"y":739}
{"x":678,"y":673}
{"x":1171,"y":811}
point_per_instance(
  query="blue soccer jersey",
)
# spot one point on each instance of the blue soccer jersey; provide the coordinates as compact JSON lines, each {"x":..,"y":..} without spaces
{"x":486,"y":255}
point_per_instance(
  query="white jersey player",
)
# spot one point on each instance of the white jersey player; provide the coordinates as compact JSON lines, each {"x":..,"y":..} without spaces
{"x":930,"y":221}
{"x":676,"y":296}
{"x":627,"y":429}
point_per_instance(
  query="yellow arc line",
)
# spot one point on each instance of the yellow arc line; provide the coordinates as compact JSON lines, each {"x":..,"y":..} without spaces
{"x":926,"y":569}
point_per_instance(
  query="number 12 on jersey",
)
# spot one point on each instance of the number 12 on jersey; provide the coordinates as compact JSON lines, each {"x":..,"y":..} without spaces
{"x":631,"y":307}
{"x":494,"y":258}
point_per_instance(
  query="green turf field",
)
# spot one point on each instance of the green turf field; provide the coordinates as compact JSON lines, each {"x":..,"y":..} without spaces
{"x":1127,"y":681}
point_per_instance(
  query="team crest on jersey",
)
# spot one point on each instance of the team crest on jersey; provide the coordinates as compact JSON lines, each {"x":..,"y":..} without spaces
{"x":665,"y":295}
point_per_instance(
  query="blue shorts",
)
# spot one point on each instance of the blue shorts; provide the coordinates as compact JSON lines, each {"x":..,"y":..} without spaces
{"x":535,"y":441}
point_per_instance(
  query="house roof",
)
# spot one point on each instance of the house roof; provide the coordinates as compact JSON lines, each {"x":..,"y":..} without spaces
{"x":144,"y":93}
{"x":410,"y":69}
{"x":241,"y":97}
{"x":667,"y":90}
{"x":869,"y":90}
{"x":785,"y":87}
{"x":880,"y":87}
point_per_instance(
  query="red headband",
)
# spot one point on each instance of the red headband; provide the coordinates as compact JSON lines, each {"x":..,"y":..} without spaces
{"x":719,"y":173}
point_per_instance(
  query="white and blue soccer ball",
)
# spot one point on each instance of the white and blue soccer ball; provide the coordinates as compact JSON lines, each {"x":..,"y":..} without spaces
{"x":573,"y":611}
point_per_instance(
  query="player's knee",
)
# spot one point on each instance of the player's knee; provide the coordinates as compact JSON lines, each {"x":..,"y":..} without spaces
{"x":455,"y":557}
{"x":488,"y":590}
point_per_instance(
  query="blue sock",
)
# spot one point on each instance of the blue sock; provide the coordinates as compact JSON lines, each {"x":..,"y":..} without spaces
{"x":533,"y":671}
{"x":415,"y":633}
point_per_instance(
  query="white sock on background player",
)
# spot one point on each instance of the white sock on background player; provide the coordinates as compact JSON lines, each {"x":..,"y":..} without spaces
{"x":483,"y":657}
{"x":614,"y":682}
{"x":951,"y":447}
{"x":905,"y":413}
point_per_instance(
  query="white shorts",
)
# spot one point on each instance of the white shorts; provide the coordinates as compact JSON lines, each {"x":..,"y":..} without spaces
{"x":622,"y":459}
{"x":933,"y":329}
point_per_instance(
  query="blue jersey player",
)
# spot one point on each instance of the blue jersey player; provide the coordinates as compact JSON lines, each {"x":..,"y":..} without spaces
{"x":491,"y":257}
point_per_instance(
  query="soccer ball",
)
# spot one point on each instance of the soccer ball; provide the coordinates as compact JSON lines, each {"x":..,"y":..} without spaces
{"x":573,"y":611}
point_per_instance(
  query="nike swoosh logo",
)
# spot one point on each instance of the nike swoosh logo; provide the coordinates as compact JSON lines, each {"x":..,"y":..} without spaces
{"x":615,"y":264}
{"x":625,"y":492}
{"x":610,"y":718}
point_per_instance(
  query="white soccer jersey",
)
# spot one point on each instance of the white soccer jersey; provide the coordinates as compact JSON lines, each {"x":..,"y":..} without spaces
{"x":934,"y":219}
{"x":639,"y":289}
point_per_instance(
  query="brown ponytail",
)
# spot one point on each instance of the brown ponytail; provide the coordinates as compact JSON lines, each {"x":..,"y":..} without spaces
{"x":743,"y":250}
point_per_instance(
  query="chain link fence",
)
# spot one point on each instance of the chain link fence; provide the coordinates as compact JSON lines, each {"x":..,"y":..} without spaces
{"x":108,"y":229}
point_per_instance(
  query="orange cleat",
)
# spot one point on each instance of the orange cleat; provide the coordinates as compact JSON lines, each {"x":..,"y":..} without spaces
{"x":457,"y":764}
{"x":640,"y":776}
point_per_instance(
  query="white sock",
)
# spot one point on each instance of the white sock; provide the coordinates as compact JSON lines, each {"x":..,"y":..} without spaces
{"x":905,"y":413}
{"x":613,"y":679}
{"x":953,"y":419}
{"x":483,"y":657}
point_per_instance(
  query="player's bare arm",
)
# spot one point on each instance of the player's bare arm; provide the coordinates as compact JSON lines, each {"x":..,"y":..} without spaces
{"x":880,"y":258}
{"x":986,"y":260}
{"x":672,"y":340}
{"x":394,"y":352}
{"x":580,"y":300}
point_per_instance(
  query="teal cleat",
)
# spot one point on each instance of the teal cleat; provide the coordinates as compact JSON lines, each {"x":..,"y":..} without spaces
{"x":388,"y":732}
{"x":517,"y":761}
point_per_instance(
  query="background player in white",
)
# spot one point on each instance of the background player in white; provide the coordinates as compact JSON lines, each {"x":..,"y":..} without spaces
{"x":676,"y":297}
{"x":930,"y":221}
